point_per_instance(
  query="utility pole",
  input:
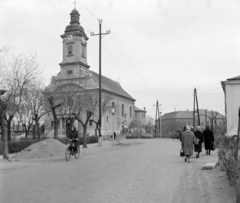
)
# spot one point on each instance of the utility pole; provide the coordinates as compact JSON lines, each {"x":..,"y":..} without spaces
{"x":197,"y":107}
{"x":194,"y":108}
{"x":205,"y":118}
{"x":157,"y":118}
{"x":100,"y":76}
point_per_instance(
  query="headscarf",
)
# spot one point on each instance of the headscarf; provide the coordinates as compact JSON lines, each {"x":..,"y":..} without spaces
{"x":198,"y":128}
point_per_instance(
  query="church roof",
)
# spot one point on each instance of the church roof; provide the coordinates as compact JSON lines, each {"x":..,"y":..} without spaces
{"x":111,"y":86}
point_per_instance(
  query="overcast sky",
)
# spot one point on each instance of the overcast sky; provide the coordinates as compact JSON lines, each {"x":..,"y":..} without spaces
{"x":157,"y":49}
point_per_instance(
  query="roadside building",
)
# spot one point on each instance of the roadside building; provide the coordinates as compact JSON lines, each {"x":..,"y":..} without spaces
{"x":173,"y":121}
{"x":75,"y":80}
{"x":231,"y":89}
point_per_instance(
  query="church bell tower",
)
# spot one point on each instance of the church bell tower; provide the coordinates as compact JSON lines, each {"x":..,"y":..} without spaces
{"x":74,"y":59}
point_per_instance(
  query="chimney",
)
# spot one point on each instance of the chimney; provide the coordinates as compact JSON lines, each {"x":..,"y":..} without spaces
{"x":144,"y":108}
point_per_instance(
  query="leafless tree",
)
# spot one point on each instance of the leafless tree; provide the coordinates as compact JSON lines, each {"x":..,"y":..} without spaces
{"x":35,"y":100}
{"x":149,"y":123}
{"x":88,"y":105}
{"x":20,"y":71}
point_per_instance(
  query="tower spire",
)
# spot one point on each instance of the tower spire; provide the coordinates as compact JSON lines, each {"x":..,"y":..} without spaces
{"x":75,"y":2}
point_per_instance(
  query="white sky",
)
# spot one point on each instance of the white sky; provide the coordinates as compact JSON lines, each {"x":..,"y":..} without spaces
{"x":157,"y":49}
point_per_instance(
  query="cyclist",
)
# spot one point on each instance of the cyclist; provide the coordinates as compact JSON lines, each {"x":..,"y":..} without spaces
{"x":73,"y":135}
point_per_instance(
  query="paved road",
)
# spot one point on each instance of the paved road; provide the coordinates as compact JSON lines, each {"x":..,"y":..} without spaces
{"x":135,"y":171}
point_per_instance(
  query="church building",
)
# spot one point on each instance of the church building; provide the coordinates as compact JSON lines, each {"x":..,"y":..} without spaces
{"x":75,"y":80}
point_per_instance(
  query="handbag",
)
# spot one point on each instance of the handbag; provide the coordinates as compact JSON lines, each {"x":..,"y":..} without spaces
{"x":195,"y":141}
{"x":213,"y":147}
{"x":181,"y":152}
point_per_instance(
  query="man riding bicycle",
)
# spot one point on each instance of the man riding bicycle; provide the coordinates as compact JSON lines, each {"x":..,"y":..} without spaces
{"x":73,"y":135}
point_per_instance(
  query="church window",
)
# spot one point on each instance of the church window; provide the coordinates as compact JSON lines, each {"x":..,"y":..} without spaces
{"x":122,"y":110}
{"x":107,"y":119}
{"x":130,"y":112}
{"x":70,"y":50}
{"x":83,"y":50}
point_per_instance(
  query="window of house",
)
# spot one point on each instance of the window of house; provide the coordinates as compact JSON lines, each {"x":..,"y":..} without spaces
{"x":70,"y":50}
{"x":122,"y":110}
{"x":130,"y":112}
{"x":107,"y":118}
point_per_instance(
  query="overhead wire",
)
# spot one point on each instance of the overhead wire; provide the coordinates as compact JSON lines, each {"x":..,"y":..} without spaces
{"x":121,"y":50}
{"x":127,"y":74}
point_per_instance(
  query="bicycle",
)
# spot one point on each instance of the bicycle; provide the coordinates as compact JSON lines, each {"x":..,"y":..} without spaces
{"x":72,"y":150}
{"x":110,"y":138}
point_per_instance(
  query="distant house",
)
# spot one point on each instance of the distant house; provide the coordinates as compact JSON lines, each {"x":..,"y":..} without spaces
{"x":172,"y":121}
{"x":231,"y":89}
{"x":140,"y":114}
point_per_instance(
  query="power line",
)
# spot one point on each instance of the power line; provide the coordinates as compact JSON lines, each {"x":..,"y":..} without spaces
{"x":117,"y":44}
{"x":207,"y":91}
{"x":206,"y":87}
{"x":121,"y":49}
{"x":88,"y":10}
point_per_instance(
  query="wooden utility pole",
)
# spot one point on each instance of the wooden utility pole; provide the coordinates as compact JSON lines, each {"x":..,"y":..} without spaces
{"x":194,"y":108}
{"x":205,"y":118}
{"x":197,"y":107}
{"x":157,"y":119}
{"x":100,"y":76}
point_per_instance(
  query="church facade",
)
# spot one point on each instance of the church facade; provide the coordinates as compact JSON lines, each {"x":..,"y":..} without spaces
{"x":76,"y":81}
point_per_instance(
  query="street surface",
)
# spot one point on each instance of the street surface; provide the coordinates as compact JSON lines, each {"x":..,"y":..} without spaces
{"x":137,"y":170}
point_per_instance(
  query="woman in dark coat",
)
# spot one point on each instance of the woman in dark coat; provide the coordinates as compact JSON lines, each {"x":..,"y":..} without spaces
{"x":208,"y":140}
{"x":187,"y":143}
{"x":198,"y":134}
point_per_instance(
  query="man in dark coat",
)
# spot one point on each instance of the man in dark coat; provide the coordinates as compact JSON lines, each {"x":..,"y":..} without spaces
{"x":198,"y":134}
{"x":208,"y":140}
{"x":73,"y":134}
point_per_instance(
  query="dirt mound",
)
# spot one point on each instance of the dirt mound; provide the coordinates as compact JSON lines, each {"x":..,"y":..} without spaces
{"x":43,"y":149}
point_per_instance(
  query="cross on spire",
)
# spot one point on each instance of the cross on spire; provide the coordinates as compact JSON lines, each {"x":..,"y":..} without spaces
{"x":75,"y":2}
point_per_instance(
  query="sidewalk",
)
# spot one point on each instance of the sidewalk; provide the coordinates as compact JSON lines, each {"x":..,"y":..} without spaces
{"x":197,"y":185}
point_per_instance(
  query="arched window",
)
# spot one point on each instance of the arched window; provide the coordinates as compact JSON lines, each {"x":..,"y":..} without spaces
{"x":70,"y":50}
{"x":122,"y":110}
{"x":130,"y":112}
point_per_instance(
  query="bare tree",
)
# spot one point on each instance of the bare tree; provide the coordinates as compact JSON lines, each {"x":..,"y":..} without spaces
{"x":35,"y":100}
{"x":55,"y":103}
{"x":87,"y":105}
{"x":149,"y":123}
{"x":22,"y":71}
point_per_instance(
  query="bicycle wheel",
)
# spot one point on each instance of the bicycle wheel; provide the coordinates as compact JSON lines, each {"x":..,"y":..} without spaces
{"x":68,"y":154}
{"x":77,"y":153}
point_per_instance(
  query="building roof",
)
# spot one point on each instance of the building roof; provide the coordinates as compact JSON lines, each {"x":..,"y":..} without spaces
{"x":234,"y":78}
{"x":138,"y":109}
{"x":223,"y":83}
{"x":189,"y":114}
{"x":111,"y":86}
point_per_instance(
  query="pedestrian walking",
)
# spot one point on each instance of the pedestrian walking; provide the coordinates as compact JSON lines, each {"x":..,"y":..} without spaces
{"x":187,"y":143}
{"x":192,"y":128}
{"x":199,"y":135}
{"x":208,"y":140}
